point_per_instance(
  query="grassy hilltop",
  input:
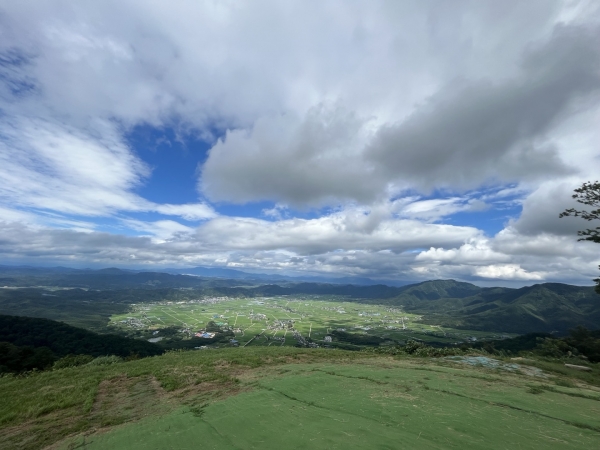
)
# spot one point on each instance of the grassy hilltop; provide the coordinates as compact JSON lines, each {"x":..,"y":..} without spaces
{"x":301,"y":398}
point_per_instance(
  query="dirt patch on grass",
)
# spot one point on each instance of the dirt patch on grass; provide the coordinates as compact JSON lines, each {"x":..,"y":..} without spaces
{"x":123,"y":399}
{"x":36,"y":433}
{"x":118,"y":400}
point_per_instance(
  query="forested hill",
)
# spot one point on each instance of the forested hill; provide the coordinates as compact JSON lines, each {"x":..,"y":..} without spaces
{"x":548,"y":307}
{"x":63,"y":339}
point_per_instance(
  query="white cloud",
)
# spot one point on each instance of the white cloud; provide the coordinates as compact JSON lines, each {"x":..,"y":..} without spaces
{"x":329,"y":245}
{"x":160,"y":231}
{"x":490,"y":87}
{"x":351,"y":229}
{"x":52,"y":167}
{"x":196,"y":211}
{"x":476,"y":252}
{"x":508,"y":272}
{"x":316,"y":159}
{"x":467,"y":134}
{"x":435,"y":209}
{"x":360,"y":106}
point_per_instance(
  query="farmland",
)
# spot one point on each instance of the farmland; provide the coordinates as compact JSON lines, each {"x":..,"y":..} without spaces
{"x":286,"y":320}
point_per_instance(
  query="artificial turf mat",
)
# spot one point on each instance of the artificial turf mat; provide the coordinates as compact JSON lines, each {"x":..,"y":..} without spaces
{"x":393,"y":405}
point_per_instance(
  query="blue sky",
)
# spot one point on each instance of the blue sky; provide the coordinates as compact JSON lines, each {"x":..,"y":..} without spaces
{"x":391,"y":140}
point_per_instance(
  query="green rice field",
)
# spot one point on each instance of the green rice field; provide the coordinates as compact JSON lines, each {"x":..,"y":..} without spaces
{"x":281,"y":320}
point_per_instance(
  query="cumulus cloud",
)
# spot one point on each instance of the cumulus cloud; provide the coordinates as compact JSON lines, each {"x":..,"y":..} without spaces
{"x":475,"y":251}
{"x":471,"y":132}
{"x":512,"y":256}
{"x":468,"y":133}
{"x":312,"y":247}
{"x":542,"y":207}
{"x":313,"y":159}
{"x":508,"y":272}
{"x":253,"y":70}
{"x":346,"y":230}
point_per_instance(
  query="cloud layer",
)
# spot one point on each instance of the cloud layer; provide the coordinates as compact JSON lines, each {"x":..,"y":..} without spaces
{"x":384,"y":137}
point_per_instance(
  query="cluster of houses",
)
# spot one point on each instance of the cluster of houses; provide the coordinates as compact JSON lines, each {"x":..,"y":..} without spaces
{"x":205,"y":335}
{"x":302,"y":341}
{"x":258,"y":316}
{"x":133,"y":322}
{"x":281,"y":324}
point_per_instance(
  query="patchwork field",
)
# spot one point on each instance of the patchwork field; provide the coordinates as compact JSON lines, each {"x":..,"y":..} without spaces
{"x":286,"y":320}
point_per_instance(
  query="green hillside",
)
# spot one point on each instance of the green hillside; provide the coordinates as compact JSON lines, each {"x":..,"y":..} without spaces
{"x":268,"y":398}
{"x":548,"y":307}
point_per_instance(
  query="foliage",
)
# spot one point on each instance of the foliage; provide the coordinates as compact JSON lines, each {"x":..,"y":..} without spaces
{"x":588,"y":194}
{"x":212,"y":327}
{"x":356,"y":339}
{"x":24,"y":358}
{"x":580,"y":342}
{"x":72,"y":361}
{"x":105,"y":360}
{"x":413,"y":346}
{"x":586,"y":342}
{"x":554,"y":348}
{"x":63,"y":339}
{"x":420,"y":349}
{"x":526,"y":342}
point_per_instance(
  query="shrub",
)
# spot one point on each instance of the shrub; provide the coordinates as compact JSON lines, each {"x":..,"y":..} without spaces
{"x":554,"y":348}
{"x":585,"y":342}
{"x":72,"y":361}
{"x":419,"y":349}
{"x":433,"y":352}
{"x":412,"y":347}
{"x":105,"y":360}
{"x":21,"y":359}
{"x":535,"y":390}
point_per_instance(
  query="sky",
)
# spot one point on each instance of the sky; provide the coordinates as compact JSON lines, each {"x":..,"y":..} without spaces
{"x":407,"y":140}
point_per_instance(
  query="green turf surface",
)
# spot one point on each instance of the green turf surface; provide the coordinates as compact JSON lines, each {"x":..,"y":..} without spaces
{"x":375,"y":403}
{"x":312,"y":316}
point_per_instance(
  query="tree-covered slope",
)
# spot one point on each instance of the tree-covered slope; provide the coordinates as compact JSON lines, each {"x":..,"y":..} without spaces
{"x":63,"y":339}
{"x":543,"y":307}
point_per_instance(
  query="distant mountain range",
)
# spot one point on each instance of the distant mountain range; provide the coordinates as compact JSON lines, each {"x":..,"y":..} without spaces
{"x":205,"y":272}
{"x":547,"y":307}
{"x":238,"y":274}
